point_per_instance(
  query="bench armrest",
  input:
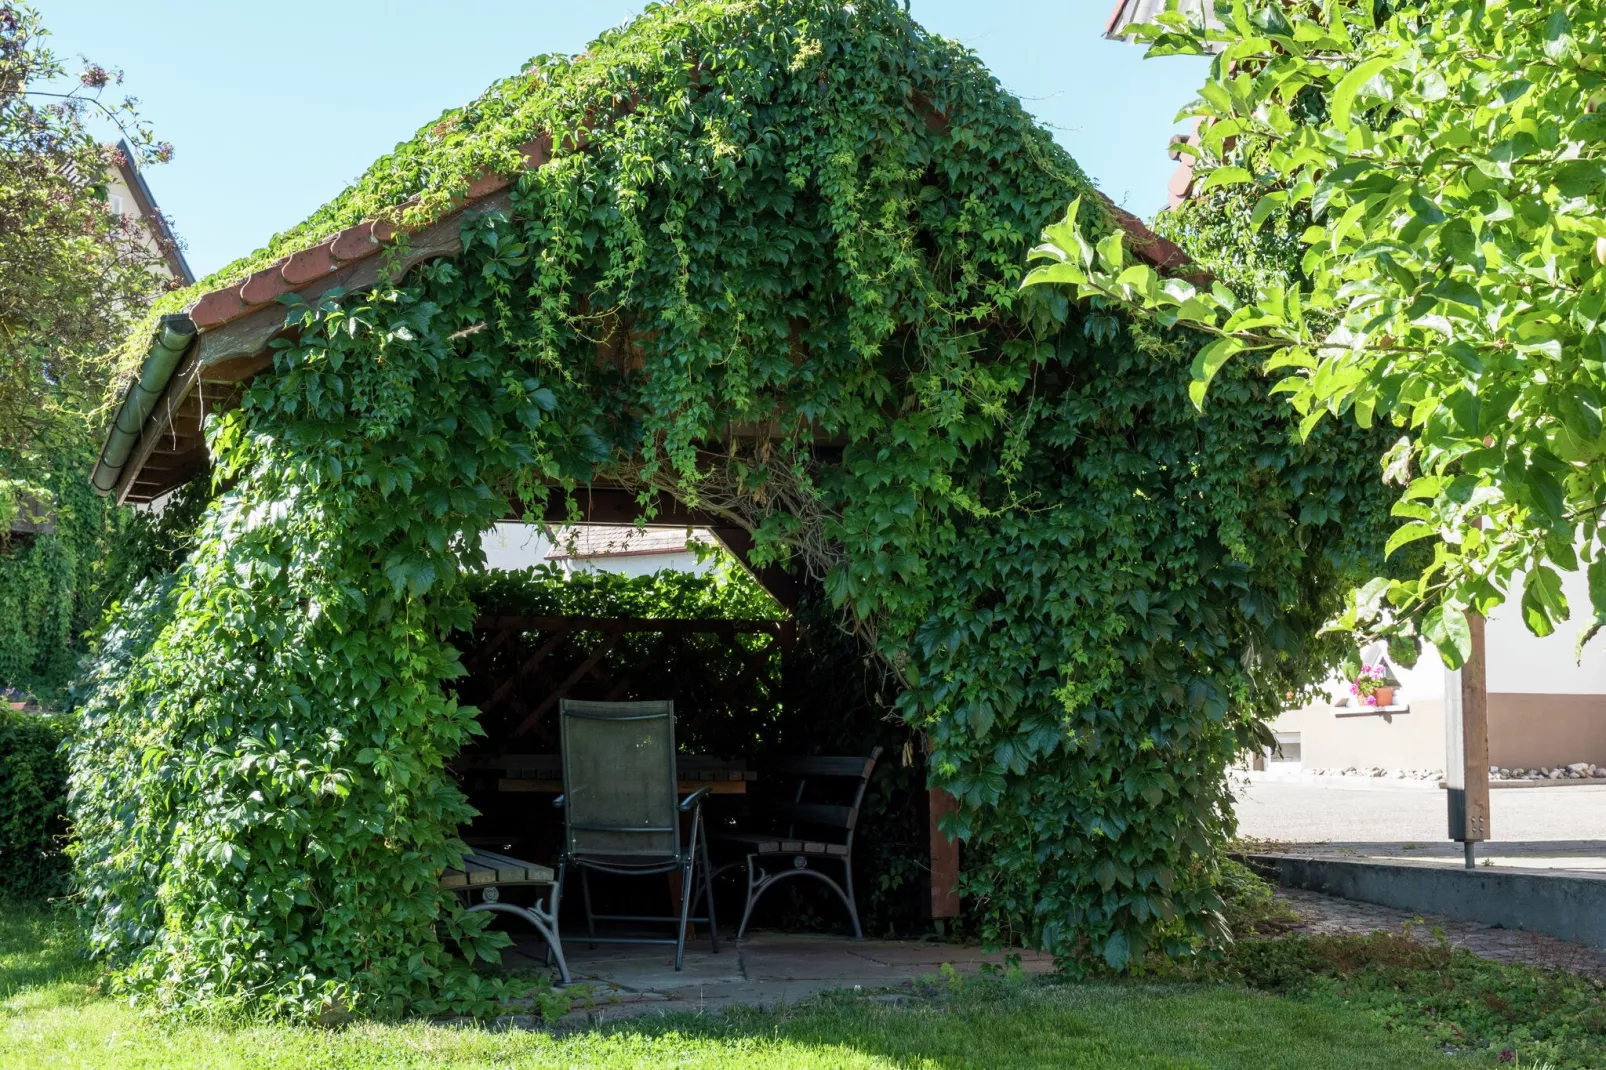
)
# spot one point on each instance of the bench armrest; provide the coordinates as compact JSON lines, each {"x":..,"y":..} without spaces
{"x":692,"y":801}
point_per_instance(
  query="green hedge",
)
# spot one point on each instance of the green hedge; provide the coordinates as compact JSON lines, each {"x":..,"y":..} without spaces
{"x":33,"y":798}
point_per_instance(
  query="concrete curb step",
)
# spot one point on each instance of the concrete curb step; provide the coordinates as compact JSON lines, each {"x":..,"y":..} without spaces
{"x":1568,"y":906}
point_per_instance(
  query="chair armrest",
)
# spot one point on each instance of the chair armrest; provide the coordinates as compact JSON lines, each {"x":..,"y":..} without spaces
{"x":559,"y":802}
{"x":692,"y":801}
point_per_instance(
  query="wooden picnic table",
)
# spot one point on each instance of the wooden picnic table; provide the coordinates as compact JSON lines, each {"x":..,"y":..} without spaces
{"x":543,"y":773}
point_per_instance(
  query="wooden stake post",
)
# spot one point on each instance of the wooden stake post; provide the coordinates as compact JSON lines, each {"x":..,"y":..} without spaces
{"x":1466,"y":751}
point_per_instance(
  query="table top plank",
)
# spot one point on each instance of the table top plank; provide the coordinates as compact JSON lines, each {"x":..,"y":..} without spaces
{"x":552,"y":786}
{"x":483,"y":868}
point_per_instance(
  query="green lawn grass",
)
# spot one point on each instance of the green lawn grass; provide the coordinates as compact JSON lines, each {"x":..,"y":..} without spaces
{"x":51,"y":1015}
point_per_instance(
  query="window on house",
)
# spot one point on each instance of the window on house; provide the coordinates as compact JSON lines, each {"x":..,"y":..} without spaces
{"x":1287,"y":749}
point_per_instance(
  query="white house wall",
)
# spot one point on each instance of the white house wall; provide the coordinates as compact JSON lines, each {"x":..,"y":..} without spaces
{"x":1410,"y":737}
{"x":513,"y":546}
{"x":1522,"y":663}
{"x":1547,"y":706}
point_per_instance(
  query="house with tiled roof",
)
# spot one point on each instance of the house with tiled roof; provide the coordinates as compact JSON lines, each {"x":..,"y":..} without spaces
{"x":624,"y":549}
{"x":127,"y":193}
{"x":1129,"y":13}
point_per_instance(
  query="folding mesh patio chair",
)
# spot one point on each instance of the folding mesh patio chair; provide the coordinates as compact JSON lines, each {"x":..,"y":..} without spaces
{"x":621,"y":814}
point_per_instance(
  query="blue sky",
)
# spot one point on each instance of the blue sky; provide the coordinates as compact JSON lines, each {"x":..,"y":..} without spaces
{"x":274,"y":108}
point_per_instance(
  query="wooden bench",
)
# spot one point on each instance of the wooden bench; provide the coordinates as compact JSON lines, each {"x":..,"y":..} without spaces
{"x":486,"y":872}
{"x":832,"y":826}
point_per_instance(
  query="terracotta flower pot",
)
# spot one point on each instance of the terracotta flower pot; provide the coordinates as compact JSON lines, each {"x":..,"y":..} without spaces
{"x":1385,"y":696}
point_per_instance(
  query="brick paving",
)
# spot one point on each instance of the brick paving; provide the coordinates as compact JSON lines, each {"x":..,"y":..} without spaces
{"x":1326,"y":914}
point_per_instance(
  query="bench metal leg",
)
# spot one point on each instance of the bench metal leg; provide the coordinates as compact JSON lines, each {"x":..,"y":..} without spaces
{"x":685,"y":911}
{"x":545,"y":922}
{"x":760,"y":881}
{"x":850,"y":899}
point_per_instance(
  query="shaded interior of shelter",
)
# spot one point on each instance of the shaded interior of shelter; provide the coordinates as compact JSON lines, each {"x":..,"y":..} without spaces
{"x":747,"y":692}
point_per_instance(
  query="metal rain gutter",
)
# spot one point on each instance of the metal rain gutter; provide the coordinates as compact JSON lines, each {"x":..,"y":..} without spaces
{"x":173,"y":339}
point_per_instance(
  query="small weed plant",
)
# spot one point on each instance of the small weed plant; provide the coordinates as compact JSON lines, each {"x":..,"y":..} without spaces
{"x":1416,"y":982}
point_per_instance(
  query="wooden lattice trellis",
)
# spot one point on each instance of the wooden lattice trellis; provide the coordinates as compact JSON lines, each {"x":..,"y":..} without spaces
{"x":519,"y":667}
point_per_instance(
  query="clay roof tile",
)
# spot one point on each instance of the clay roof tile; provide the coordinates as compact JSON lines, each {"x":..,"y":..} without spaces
{"x":217,"y":308}
{"x":309,"y":264}
{"x":263,"y":286}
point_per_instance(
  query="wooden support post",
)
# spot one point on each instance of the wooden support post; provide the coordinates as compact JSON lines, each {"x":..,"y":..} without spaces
{"x":944,"y":858}
{"x":1466,"y":752}
{"x":790,"y":681}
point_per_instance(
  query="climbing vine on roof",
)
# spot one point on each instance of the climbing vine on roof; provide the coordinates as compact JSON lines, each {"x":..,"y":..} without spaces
{"x":778,"y":278}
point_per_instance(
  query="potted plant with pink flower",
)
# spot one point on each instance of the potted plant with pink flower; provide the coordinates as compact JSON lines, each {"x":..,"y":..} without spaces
{"x":1373,"y":686}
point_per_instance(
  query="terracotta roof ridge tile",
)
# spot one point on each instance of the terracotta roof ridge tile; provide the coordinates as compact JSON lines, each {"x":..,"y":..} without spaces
{"x":1164,"y":254}
{"x":306,"y":266}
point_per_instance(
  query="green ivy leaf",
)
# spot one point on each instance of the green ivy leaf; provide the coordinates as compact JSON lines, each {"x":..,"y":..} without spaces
{"x":1407,"y":533}
{"x":1208,"y":363}
{"x":1543,"y":603}
{"x":1342,"y":101}
{"x":1117,"y":951}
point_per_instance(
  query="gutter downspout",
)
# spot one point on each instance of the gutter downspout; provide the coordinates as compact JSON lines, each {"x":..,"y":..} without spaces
{"x":172,"y":341}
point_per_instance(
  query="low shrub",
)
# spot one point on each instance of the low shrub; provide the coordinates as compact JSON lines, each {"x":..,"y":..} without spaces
{"x":1413,"y":981}
{"x":33,"y":799}
{"x":1250,"y":904}
{"x":1522,"y":1014}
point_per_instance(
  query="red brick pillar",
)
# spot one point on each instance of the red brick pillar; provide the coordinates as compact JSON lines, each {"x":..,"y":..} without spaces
{"x":944,"y":857}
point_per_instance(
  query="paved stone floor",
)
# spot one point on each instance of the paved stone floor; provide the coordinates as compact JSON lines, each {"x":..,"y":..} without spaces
{"x":1329,"y":914}
{"x":616,"y":982}
{"x":766,"y":969}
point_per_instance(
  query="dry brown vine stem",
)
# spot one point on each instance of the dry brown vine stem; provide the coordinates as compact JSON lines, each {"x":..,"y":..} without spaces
{"x":719,"y":491}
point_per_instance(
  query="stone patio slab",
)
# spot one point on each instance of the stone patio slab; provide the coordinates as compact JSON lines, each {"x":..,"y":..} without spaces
{"x":766,"y":969}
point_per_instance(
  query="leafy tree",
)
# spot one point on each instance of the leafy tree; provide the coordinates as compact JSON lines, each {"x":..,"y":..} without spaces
{"x":1446,"y":161}
{"x":72,"y":275}
{"x":71,"y":270}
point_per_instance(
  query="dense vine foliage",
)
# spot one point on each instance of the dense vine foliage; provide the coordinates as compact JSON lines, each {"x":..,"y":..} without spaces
{"x":724,"y":592}
{"x":779,"y":279}
{"x":45,"y":580}
{"x":56,"y":582}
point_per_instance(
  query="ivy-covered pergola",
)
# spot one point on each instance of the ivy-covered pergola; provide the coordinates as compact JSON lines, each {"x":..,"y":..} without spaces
{"x":758,"y":263}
